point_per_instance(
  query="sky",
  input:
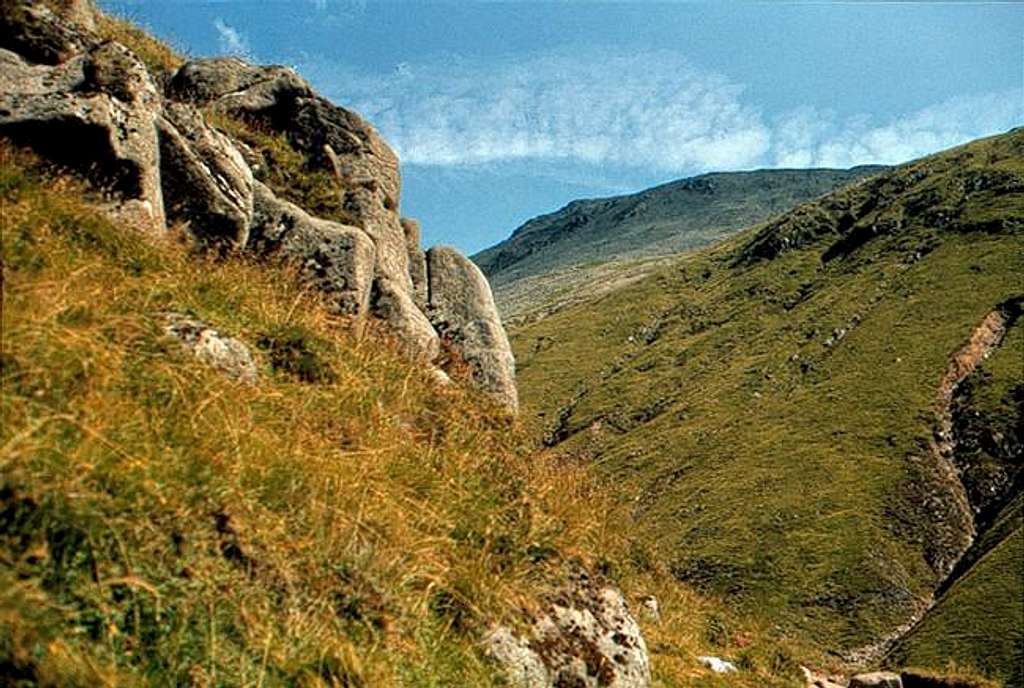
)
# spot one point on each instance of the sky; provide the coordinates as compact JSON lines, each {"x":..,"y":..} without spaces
{"x":501,"y":111}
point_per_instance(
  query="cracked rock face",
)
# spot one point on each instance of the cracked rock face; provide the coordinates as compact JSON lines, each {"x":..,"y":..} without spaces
{"x":335,"y":258}
{"x":205,"y":179}
{"x":585,"y":637}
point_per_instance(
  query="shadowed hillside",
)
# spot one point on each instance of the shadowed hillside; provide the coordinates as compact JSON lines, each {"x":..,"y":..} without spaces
{"x":551,"y":257}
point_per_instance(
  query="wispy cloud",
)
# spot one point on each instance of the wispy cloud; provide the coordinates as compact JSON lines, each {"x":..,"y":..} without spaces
{"x":651,"y":110}
{"x":812,"y":138}
{"x":232,"y":41}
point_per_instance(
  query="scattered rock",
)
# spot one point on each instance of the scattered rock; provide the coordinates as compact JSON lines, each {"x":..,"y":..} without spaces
{"x":206,"y":181}
{"x":585,"y":637}
{"x":336,"y":258}
{"x":225,"y":354}
{"x":877,"y":679}
{"x":717,"y":665}
{"x":462,"y":309}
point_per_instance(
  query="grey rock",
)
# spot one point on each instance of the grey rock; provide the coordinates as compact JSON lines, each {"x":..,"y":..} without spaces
{"x":225,"y":354}
{"x":877,"y":679}
{"x":337,"y":259}
{"x":585,"y":636}
{"x":96,"y":112}
{"x":206,"y":181}
{"x":36,"y":32}
{"x":392,"y":304}
{"x":462,"y":310}
{"x":417,"y":262}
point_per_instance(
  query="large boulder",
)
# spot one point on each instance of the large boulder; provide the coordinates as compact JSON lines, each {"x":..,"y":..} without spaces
{"x":337,"y":259}
{"x":206,"y":181}
{"x":461,"y":308}
{"x":96,"y":112}
{"x":584,"y":636}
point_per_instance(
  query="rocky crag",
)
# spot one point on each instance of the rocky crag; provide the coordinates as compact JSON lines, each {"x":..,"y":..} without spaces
{"x":165,"y":144}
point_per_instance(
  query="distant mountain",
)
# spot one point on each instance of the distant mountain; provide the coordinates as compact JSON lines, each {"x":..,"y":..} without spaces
{"x":821,"y":419}
{"x":660,"y":221}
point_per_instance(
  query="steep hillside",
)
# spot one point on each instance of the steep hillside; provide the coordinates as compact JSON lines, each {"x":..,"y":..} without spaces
{"x":222,"y":463}
{"x":624,"y":230}
{"x":784,"y":411}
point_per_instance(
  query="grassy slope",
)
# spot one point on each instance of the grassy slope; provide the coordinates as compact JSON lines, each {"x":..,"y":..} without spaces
{"x":343,"y":522}
{"x":764,"y":463}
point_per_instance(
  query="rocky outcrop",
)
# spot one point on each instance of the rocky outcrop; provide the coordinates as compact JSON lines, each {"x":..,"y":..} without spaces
{"x":96,"y":112}
{"x":585,"y":636}
{"x":225,"y":354}
{"x":461,"y":308}
{"x":93,"y":105}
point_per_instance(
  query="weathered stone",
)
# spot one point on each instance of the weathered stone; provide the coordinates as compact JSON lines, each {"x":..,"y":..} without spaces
{"x":877,"y":679}
{"x":462,"y":310}
{"x":106,"y":127}
{"x":225,"y":354}
{"x":337,"y":259}
{"x":392,"y":304}
{"x":417,"y":262}
{"x":206,"y":181}
{"x":34,"y":31}
{"x":585,"y":636}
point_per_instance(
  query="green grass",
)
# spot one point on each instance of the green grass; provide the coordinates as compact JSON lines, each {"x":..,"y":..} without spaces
{"x":764,"y":462}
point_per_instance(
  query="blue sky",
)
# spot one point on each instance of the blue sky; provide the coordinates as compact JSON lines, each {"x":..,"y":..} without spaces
{"x":501,"y":111}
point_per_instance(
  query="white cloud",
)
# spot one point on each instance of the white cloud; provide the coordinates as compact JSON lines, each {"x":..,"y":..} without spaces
{"x":232,"y":41}
{"x":652,"y":111}
{"x":811,"y":138}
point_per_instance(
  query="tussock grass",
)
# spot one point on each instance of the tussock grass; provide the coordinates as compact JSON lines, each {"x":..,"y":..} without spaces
{"x":157,"y":55}
{"x":342,"y":522}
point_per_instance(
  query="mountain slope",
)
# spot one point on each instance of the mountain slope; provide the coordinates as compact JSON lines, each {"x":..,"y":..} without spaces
{"x":663,"y":220}
{"x":768,"y":406}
